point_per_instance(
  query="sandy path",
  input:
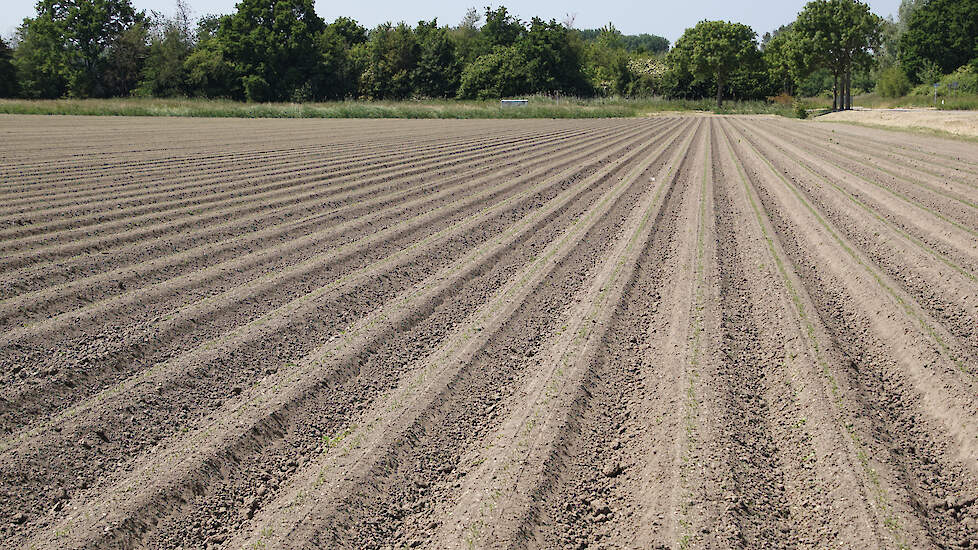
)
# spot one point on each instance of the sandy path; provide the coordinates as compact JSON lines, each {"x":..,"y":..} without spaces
{"x":963,"y":123}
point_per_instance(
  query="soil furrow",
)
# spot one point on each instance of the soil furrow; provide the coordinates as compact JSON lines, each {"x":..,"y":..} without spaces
{"x":505,"y":472}
{"x":678,"y":332}
{"x":592,"y":443}
{"x":164,"y":258}
{"x":954,"y":245}
{"x":168,"y":331}
{"x":142,"y":176}
{"x":957,"y":204}
{"x":953,"y":303}
{"x":898,"y":147}
{"x":226,"y":182}
{"x":355,"y":358}
{"x":385,"y":511}
{"x":822,"y":401}
{"x":928,"y":436}
{"x":937,"y":171}
{"x":101,"y":229}
{"x":194,"y":154}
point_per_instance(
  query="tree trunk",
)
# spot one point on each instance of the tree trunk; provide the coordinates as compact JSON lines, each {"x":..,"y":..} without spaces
{"x":849,"y":90}
{"x":845,"y":90}
{"x":719,"y":91}
{"x":835,"y":92}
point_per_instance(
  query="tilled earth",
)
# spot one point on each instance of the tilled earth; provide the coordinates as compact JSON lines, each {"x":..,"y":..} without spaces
{"x":674,"y":332}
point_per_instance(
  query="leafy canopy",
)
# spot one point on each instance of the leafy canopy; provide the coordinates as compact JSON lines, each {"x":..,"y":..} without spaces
{"x":942,"y":33}
{"x":715,"y":49}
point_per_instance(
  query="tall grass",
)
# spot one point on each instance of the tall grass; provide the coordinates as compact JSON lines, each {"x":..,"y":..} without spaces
{"x":964,"y":102}
{"x":538,"y":107}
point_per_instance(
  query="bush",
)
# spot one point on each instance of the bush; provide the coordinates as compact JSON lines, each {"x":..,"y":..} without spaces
{"x":930,"y":73}
{"x":801,"y":110}
{"x":893,"y":82}
{"x":495,"y":75}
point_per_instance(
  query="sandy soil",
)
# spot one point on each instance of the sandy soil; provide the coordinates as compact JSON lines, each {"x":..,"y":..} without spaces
{"x":679,"y":332}
{"x":963,"y":123}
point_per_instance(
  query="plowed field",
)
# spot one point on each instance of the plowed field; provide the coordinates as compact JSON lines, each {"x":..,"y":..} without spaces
{"x":676,"y":332}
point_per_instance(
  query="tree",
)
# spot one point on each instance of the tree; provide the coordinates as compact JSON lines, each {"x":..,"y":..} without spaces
{"x":336,"y":46}
{"x":392,"y":58}
{"x":210,"y":73}
{"x":942,"y":32}
{"x":40,"y":60}
{"x":715,"y":49}
{"x":171,"y":43}
{"x":783,"y":58}
{"x":272,"y":47}
{"x":501,"y":29}
{"x":8,"y":74}
{"x":349,"y":30}
{"x":554,"y":63}
{"x":607,"y":62}
{"x":632,"y":43}
{"x":468,"y":38}
{"x":502,"y":73}
{"x":124,"y":61}
{"x":645,"y":43}
{"x":439,"y":68}
{"x":838,"y":35}
{"x":67,"y":46}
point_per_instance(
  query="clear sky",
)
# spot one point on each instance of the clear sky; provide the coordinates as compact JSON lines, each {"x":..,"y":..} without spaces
{"x":668,"y":18}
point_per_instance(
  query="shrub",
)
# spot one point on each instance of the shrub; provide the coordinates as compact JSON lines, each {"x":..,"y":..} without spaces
{"x":893,"y":82}
{"x":800,"y":109}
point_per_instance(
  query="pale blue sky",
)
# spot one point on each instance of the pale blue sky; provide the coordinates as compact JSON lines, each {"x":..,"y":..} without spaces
{"x":667,"y":18}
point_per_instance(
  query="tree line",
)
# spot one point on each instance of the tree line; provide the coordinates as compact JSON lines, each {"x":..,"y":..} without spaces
{"x":281,"y":50}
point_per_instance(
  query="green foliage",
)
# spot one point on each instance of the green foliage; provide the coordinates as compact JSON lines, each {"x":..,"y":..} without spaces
{"x":784,"y":59}
{"x":124,"y":60}
{"x":8,"y":74}
{"x":338,"y":46}
{"x":941,"y":34}
{"x":892,"y":82}
{"x":632,"y":43}
{"x":40,"y":60}
{"x":929,"y":72}
{"x":501,"y":29}
{"x":439,"y":68}
{"x":553,"y":61}
{"x":495,"y":75}
{"x":80,"y":48}
{"x":840,"y":36}
{"x":281,"y":51}
{"x":645,"y":76}
{"x":714,"y":50}
{"x":538,"y":107}
{"x":961,"y":82}
{"x":210,"y":74}
{"x":272,"y":47}
{"x":607,"y":62}
{"x":392,"y":58}
{"x":349,"y":30}
{"x":801,"y":110}
{"x":164,"y":73}
{"x":468,"y":38}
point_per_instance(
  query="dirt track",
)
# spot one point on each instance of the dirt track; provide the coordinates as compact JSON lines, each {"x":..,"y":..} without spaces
{"x":962,"y":123}
{"x":679,"y":332}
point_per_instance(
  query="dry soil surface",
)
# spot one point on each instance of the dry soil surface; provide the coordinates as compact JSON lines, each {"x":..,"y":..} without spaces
{"x":963,"y":123}
{"x":679,"y":332}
